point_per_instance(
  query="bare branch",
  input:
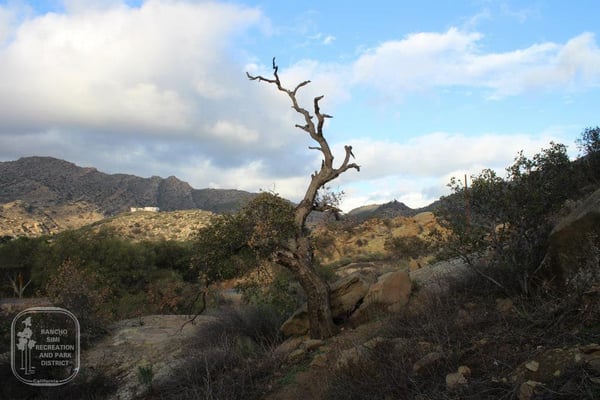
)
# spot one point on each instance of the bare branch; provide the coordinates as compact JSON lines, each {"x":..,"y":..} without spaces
{"x":346,"y":165}
{"x":300,"y":85}
{"x":304,"y":128}
{"x":349,"y":150}
{"x":260,"y":78}
{"x":193,"y":319}
{"x":327,"y":172}
{"x":316,"y":103}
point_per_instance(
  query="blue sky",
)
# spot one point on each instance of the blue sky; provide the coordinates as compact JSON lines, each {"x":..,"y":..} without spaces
{"x":422,"y":90}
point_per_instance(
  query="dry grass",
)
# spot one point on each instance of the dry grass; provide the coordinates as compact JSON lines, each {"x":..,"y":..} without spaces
{"x":466,"y":328}
{"x":231,"y":358}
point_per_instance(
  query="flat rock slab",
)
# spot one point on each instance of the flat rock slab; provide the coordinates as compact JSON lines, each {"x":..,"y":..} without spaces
{"x":434,"y":278}
{"x":159,"y":341}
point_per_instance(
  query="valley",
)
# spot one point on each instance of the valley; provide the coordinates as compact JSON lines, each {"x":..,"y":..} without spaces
{"x":167,"y":310}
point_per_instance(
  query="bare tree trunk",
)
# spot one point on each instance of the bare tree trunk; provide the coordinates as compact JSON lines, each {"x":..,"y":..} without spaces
{"x":298,"y":255}
{"x":299,"y":261}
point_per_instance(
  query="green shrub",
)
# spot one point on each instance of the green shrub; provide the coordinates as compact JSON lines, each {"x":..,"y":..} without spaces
{"x":280,"y":291}
{"x":145,"y":375}
{"x":407,"y":246}
{"x":506,"y":222}
{"x":79,"y":292}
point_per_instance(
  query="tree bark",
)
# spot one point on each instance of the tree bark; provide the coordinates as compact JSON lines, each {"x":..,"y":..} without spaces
{"x":297,"y":255}
{"x":299,"y":260}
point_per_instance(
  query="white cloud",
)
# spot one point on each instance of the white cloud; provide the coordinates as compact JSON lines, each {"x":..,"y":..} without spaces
{"x":403,"y":171}
{"x":436,"y":153}
{"x":252,"y":177}
{"x":160,"y":90}
{"x":148,"y":67}
{"x":521,"y":14}
{"x":419,"y":61}
{"x":234,"y":132}
{"x":424,"y":61}
{"x":163,"y":71}
{"x":329,"y":39}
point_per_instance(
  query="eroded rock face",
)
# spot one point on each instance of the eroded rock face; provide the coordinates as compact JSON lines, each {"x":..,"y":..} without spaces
{"x":390,"y":293}
{"x":572,"y":240}
{"x":346,"y":294}
{"x":354,"y":299}
{"x":297,"y":324}
{"x":392,"y":289}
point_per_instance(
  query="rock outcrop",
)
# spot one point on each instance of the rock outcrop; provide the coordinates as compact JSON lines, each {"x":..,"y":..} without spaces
{"x":390,"y":293}
{"x":354,"y":298}
{"x":346,"y":294}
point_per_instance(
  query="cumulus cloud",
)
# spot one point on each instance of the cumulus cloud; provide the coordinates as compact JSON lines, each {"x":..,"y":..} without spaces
{"x":149,"y":66}
{"x":423,"y":61}
{"x":158,"y":75}
{"x":439,"y":152}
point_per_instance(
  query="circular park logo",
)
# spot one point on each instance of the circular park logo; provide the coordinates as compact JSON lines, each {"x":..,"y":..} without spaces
{"x":45,"y":346}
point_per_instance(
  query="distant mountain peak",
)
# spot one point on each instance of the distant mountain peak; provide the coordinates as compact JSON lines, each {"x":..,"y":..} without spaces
{"x":45,"y":181}
{"x":390,"y":209}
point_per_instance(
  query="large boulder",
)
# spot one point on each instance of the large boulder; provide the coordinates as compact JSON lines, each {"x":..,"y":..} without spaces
{"x":392,"y":289}
{"x":390,"y":293}
{"x":573,"y":241}
{"x":346,"y":295}
{"x":297,"y":324}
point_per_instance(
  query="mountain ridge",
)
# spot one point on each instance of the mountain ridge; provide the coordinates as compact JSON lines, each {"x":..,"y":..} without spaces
{"x":47,"y":181}
{"x":44,"y":195}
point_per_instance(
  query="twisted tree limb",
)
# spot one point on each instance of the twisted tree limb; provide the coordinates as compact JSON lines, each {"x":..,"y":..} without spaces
{"x":328,"y":172}
{"x":297,"y":254}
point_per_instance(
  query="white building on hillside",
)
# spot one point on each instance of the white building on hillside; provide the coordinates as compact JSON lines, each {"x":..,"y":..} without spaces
{"x":152,"y":209}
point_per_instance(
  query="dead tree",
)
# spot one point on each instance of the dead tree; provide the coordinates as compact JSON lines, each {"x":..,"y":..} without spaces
{"x":297,"y":254}
{"x":18,"y":285}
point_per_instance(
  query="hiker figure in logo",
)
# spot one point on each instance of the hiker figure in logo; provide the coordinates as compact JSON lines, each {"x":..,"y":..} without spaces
{"x":25,"y":344}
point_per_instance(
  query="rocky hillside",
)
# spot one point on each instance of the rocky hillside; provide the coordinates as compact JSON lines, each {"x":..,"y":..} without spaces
{"x":390,"y":209}
{"x":367,"y":239}
{"x":49,"y":182}
{"x":21,"y":219}
{"x":18,"y":218}
{"x":153,"y":226}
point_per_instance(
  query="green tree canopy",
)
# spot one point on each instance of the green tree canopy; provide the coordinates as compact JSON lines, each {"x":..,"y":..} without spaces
{"x":508,"y":220}
{"x":235,"y":244}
